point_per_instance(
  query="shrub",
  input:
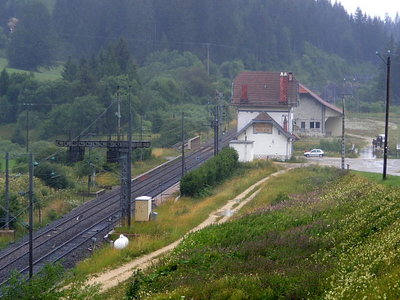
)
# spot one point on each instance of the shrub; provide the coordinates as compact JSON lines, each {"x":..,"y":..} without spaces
{"x":371,"y":107}
{"x":52,"y":175}
{"x":331,"y":145}
{"x":141,"y":154}
{"x":210,"y":173}
{"x":46,"y":284}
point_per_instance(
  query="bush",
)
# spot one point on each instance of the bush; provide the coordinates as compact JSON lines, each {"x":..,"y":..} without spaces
{"x":46,"y":284}
{"x":46,"y":150}
{"x":210,"y":173}
{"x":141,"y":154}
{"x":52,"y":175}
{"x":331,"y":145}
{"x":372,"y":107}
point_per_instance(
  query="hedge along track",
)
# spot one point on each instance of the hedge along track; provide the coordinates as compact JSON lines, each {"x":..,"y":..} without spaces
{"x":69,"y":238}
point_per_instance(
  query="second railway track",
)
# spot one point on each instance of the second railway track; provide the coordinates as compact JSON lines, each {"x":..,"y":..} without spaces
{"x":68,"y":238}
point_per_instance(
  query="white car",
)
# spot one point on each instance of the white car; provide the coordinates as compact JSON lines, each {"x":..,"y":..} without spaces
{"x":314,"y":153}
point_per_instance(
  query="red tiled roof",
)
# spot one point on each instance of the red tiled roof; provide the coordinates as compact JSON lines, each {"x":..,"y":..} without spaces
{"x":304,"y":90}
{"x":262,"y":89}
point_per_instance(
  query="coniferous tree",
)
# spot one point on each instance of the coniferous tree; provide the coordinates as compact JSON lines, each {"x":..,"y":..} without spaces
{"x":70,"y":70}
{"x":4,"y":82}
{"x":32,"y":41}
{"x":87,"y":80}
{"x":122,"y":55}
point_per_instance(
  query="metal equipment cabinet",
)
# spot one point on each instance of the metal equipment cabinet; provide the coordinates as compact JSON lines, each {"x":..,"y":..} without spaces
{"x":143,"y":208}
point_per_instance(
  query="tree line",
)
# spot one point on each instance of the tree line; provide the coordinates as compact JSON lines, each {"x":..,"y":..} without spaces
{"x":177,"y":52}
{"x":264,"y":33}
{"x":85,"y":100}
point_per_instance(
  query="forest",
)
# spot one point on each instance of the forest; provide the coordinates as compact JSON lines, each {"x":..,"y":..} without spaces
{"x":172,"y":55}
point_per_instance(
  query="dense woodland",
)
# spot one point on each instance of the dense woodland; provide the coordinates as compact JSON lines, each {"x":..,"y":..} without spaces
{"x":174,"y":54}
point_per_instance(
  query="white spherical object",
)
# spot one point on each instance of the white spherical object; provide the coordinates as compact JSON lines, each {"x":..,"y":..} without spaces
{"x":121,"y":242}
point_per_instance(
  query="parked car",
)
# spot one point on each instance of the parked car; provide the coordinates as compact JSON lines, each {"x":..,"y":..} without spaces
{"x":314,"y":153}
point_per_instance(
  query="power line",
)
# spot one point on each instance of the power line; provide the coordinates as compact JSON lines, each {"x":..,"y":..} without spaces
{"x":83,"y":131}
{"x":207,"y":44}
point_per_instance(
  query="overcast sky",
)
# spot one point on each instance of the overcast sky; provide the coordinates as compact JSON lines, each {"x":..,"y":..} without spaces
{"x":372,"y":7}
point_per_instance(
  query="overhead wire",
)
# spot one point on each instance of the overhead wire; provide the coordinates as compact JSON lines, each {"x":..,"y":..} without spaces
{"x":57,"y":152}
{"x":87,"y":36}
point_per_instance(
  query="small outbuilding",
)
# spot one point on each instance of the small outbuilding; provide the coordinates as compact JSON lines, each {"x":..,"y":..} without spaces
{"x":143,"y":207}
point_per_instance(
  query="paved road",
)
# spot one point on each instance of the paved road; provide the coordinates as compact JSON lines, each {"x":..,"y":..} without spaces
{"x":374,"y":165}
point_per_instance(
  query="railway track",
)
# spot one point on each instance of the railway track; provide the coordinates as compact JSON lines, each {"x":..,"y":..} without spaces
{"x":70,"y":238}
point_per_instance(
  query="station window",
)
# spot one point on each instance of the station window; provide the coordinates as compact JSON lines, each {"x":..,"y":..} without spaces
{"x":317,"y":125}
{"x":311,"y":124}
{"x":303,"y":125}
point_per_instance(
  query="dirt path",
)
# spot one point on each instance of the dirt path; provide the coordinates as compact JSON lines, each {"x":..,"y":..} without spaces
{"x":114,"y":277}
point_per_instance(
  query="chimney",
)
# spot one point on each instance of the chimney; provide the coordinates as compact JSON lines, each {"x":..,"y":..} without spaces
{"x":244,"y":97}
{"x":283,"y":87}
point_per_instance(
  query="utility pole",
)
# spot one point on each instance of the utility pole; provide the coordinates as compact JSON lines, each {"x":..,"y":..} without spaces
{"x":183,"y":146}
{"x":217,"y":112}
{"x":220,"y":119}
{"x":216,"y":122}
{"x":118,"y":114}
{"x":30,"y":215}
{"x":7,"y":192}
{"x":216,"y":130}
{"x":90,"y":174}
{"x":343,"y":142}
{"x":126,"y":172}
{"x":129,"y":162}
{"x":344,"y":94}
{"x":385,"y":147}
{"x":208,"y":58}
{"x":385,"y":144}
{"x":141,"y":136}
{"x":27,"y":127}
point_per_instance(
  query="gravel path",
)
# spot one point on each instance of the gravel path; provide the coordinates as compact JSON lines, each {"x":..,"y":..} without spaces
{"x":116,"y":276}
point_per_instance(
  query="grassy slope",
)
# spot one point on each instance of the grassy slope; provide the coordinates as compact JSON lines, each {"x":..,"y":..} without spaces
{"x":390,"y":180}
{"x":175,"y":218}
{"x":292,"y":242}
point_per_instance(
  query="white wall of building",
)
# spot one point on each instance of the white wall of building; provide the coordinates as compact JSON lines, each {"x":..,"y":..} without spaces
{"x":245,"y":149}
{"x":309,"y":111}
{"x":317,"y":119}
{"x":267,"y":145}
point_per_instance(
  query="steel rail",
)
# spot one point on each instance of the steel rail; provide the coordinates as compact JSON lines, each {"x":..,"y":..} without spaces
{"x":142,"y":184}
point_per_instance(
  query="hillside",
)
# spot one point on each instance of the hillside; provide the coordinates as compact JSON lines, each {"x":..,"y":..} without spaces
{"x":175,"y":55}
{"x":317,"y":38}
{"x":314,"y":233}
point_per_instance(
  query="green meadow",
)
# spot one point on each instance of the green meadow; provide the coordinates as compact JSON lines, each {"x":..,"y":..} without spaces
{"x":43,"y":74}
{"x":312,"y":233}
